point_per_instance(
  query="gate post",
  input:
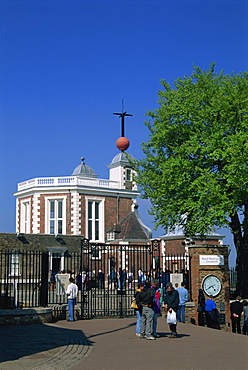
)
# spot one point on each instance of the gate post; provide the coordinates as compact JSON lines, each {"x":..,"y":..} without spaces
{"x":85,"y":245}
{"x":44,"y":280}
{"x":211,"y":262}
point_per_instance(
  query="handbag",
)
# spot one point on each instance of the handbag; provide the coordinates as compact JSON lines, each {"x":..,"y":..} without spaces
{"x":171,"y":317}
{"x":200,"y":309}
{"x":134,"y":304}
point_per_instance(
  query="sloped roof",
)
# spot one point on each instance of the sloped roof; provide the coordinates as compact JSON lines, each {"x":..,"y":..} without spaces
{"x":40,"y":241}
{"x":133,"y":228}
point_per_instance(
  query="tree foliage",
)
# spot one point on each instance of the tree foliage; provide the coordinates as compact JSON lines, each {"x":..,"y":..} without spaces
{"x":196,"y":158}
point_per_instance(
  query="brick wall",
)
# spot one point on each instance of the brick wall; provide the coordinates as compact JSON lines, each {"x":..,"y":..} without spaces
{"x":198,"y":272}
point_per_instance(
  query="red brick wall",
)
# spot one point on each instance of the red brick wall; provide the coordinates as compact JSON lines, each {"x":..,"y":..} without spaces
{"x":198,"y":272}
{"x":175,"y":246}
{"x":111,"y":209}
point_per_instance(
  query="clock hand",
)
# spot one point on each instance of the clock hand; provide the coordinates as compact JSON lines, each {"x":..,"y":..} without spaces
{"x":210,"y":286}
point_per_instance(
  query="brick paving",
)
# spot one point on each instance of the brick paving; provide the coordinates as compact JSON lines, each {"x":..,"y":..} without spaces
{"x":42,"y":347}
{"x":104,"y":344}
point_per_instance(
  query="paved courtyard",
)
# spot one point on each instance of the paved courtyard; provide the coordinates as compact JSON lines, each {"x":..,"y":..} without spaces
{"x":111,"y":344}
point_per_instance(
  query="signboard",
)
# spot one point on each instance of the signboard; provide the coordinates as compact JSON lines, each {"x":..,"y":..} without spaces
{"x":176,"y":280}
{"x":211,"y":260}
{"x":62,"y":282}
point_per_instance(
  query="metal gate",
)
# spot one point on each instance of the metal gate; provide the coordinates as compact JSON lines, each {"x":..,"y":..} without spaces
{"x":110,"y":275}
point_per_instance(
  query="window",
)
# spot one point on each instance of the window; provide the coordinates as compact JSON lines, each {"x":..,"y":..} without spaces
{"x":56,"y":216}
{"x":128,"y":174}
{"x":95,"y":218}
{"x":25,"y":217}
{"x":14,"y":264}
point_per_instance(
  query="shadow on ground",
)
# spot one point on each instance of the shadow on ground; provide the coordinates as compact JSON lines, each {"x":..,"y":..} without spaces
{"x":39,"y":341}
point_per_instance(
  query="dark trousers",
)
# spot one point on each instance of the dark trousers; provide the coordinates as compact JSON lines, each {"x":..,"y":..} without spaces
{"x":212,"y":321}
{"x":173,"y":329}
{"x":245,"y":328}
{"x":236,"y":325}
{"x":201,"y":320}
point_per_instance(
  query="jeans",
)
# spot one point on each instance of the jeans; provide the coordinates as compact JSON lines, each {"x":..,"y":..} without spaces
{"x":181,"y":313}
{"x":146,"y":322}
{"x":71,"y":305}
{"x":154,"y":323}
{"x":138,"y":322}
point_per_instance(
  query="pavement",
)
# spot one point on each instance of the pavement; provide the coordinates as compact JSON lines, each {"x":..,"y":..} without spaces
{"x":105,"y":344}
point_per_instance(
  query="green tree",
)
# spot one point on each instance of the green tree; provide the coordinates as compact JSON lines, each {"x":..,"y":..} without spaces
{"x":196,"y":158}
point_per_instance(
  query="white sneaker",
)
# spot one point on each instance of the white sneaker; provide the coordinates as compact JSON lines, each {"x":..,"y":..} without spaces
{"x":151,"y":338}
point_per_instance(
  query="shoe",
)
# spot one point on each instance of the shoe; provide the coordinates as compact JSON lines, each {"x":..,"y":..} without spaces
{"x":137,"y":335}
{"x":156,"y":335}
{"x":151,"y":338}
{"x":142,"y":336}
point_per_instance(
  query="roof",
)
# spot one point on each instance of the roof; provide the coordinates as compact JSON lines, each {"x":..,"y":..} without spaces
{"x":40,"y":241}
{"x":122,"y":158}
{"x":132,"y":228}
{"x":179,"y":233}
{"x":84,"y":170}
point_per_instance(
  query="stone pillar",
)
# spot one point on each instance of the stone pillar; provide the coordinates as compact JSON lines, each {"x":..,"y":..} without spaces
{"x":204,"y":262}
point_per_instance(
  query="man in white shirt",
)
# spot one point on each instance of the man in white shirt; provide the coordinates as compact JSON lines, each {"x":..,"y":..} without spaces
{"x":71,"y":291}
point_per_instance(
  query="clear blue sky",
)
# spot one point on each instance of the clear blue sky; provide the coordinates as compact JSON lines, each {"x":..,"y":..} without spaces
{"x":65,"y":67}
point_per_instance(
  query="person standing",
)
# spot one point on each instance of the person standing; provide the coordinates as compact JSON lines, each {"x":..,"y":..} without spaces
{"x":236,"y":311}
{"x":100,"y":279}
{"x":71,"y":291}
{"x":183,"y":298}
{"x":158,"y":300}
{"x":130,"y":279}
{"x":245,"y":326}
{"x":211,"y":314}
{"x":138,"y":310}
{"x":145,"y":299}
{"x":201,"y":308}
{"x":171,"y":302}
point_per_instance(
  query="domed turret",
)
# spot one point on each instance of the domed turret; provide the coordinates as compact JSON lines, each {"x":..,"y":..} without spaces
{"x":122,"y":158}
{"x":120,"y":169}
{"x":84,"y":170}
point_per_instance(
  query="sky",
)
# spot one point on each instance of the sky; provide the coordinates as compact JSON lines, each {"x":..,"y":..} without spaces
{"x":67,"y":65}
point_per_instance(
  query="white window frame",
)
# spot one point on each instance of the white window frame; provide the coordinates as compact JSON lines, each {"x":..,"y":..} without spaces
{"x":47,"y":213}
{"x":101,"y":218}
{"x":14,"y":264}
{"x":25,"y":216}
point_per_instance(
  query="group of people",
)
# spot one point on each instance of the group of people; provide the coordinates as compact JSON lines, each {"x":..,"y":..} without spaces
{"x":207,"y":309}
{"x":150,"y":298}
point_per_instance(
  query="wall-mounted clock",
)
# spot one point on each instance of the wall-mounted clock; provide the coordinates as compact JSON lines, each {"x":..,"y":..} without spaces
{"x":211,"y":285}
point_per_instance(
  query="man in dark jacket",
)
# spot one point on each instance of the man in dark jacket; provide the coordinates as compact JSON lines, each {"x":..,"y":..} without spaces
{"x":236,"y":311}
{"x":171,"y":302}
{"x":145,"y":300}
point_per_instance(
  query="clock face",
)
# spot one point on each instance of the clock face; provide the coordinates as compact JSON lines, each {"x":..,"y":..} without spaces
{"x":211,"y":285}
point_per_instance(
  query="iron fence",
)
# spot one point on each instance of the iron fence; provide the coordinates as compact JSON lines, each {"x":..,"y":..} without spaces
{"x":233,"y":282}
{"x":107,"y":276}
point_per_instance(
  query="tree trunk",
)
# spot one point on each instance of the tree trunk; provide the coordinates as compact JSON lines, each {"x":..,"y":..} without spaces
{"x":241,"y":244}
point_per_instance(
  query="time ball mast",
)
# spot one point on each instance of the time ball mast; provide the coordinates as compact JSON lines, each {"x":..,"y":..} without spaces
{"x":122,"y":143}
